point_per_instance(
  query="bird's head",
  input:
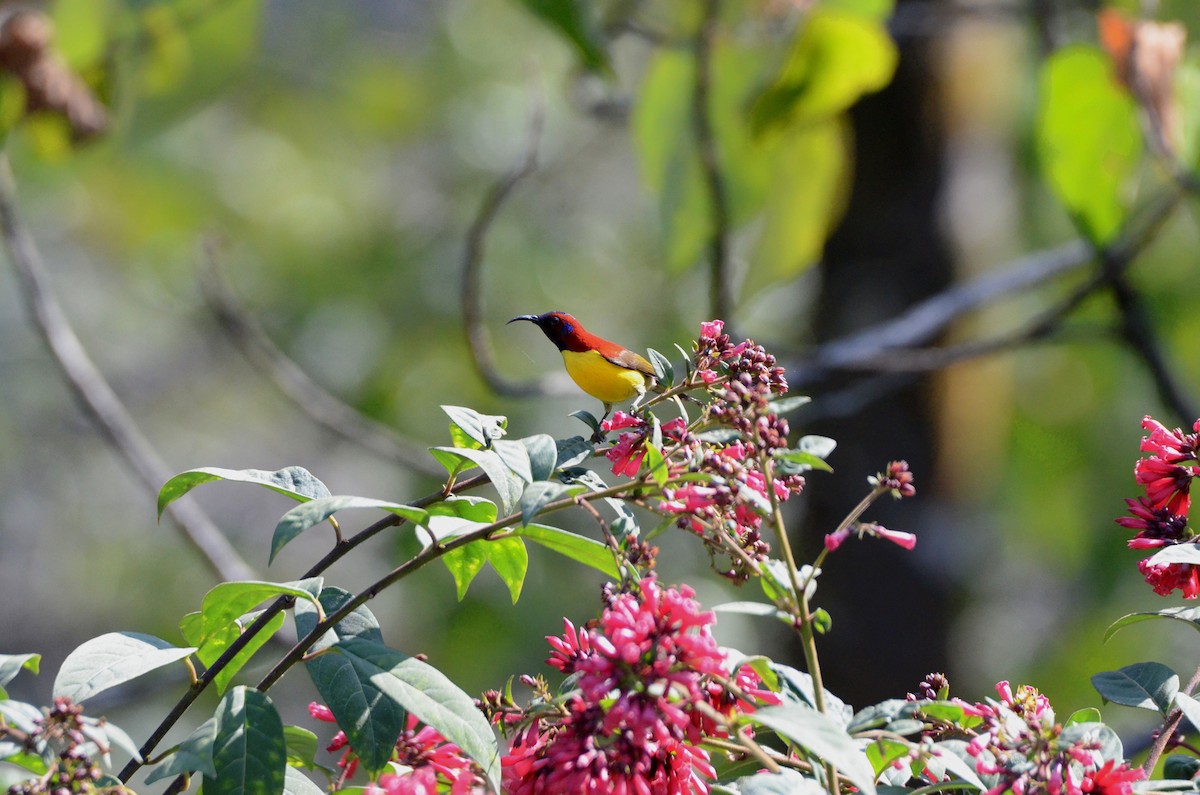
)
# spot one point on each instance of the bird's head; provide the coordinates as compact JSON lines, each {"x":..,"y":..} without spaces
{"x":561,"y":329}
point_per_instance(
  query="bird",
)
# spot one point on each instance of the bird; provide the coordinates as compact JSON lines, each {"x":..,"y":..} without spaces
{"x":605,"y":370}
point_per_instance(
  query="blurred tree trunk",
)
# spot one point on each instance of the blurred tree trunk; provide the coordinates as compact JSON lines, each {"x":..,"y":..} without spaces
{"x":887,"y":254}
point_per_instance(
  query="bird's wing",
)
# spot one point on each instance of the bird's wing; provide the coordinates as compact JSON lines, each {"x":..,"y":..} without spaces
{"x":631,"y":361}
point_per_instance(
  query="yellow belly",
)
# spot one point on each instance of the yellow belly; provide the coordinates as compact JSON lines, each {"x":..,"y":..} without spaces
{"x":603,"y":380}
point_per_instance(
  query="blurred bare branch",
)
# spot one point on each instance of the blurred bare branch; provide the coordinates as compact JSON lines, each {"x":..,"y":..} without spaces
{"x":95,"y":394}
{"x":310,"y":397}
{"x":719,"y":291}
{"x":478,"y":339}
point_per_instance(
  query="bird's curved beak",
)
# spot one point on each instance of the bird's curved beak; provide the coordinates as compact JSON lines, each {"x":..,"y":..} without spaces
{"x":530,"y":318}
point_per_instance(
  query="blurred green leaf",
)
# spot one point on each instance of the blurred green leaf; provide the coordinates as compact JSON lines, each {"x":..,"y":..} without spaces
{"x":13,"y":664}
{"x":1088,"y":139}
{"x":249,"y":752}
{"x":835,"y":59}
{"x":82,"y":29}
{"x":167,"y":56}
{"x":573,"y":20}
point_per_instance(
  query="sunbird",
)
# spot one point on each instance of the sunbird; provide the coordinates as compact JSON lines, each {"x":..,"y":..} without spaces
{"x":605,"y":370}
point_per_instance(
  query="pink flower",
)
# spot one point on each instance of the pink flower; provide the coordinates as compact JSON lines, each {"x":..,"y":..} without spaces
{"x":620,"y":420}
{"x":1164,"y":578}
{"x":1167,"y":485}
{"x":711,"y":329}
{"x":1172,"y":446}
{"x":1153,"y":523}
{"x":835,"y":539}
{"x":627,"y":454}
{"x":906,"y":540}
{"x":1112,"y":779}
{"x":422,"y":781}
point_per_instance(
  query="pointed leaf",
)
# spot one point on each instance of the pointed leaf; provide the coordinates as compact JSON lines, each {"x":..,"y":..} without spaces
{"x":1188,"y":615}
{"x":301,"y":747}
{"x":13,"y":664}
{"x":110,"y":660}
{"x":249,"y":751}
{"x":425,"y":692}
{"x":464,"y":563}
{"x":372,"y":722}
{"x":587,"y":418}
{"x":664,"y":371}
{"x":295,"y":482}
{"x":194,"y":755}
{"x":576,"y":547}
{"x":473,"y":509}
{"x":1189,"y":706}
{"x":295,"y":783}
{"x":1176,"y":553}
{"x":510,"y":559}
{"x":754,"y":609}
{"x":823,"y":738}
{"x":480,"y":429}
{"x":312,"y":513}
{"x":1147,"y":685}
{"x":820,"y":446}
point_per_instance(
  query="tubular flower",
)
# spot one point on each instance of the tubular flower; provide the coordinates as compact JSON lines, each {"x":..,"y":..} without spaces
{"x":1026,"y":750}
{"x":1160,"y":518}
{"x":632,"y":726}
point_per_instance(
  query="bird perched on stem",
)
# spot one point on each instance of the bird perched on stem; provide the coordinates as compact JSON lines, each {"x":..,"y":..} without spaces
{"x":605,"y":370}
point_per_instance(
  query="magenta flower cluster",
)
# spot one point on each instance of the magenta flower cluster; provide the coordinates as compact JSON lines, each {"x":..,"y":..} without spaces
{"x":1022,"y":747}
{"x":633,"y":725}
{"x":434,"y":763}
{"x":1161,"y":516}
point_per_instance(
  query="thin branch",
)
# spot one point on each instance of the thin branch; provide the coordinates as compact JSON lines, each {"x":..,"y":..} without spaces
{"x":720,"y":298}
{"x":100,"y":402}
{"x":309,"y":396}
{"x":478,"y":339}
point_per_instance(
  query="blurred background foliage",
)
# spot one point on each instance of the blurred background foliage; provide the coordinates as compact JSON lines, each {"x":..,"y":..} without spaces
{"x":852,"y":159}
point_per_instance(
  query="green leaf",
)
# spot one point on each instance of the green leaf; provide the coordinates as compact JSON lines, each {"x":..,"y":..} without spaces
{"x":785,"y":782}
{"x":1147,"y":685}
{"x":301,"y":747}
{"x":1085,"y":715}
{"x":576,"y":547}
{"x":372,"y":722}
{"x":835,"y":59}
{"x":295,"y":482}
{"x":1188,"y":615}
{"x":510,"y":559}
{"x":539,"y":494}
{"x":587,"y":418}
{"x":573,"y":19}
{"x":13,"y":664}
{"x":543,"y":455}
{"x":229,"y":601}
{"x":821,"y":737}
{"x":249,"y":751}
{"x":791,"y":462}
{"x":1176,"y":553}
{"x":952,"y":757}
{"x":1088,"y":138}
{"x":656,"y":463}
{"x":572,"y":451}
{"x":664,"y":371}
{"x":110,"y":660}
{"x":516,"y":457}
{"x":464,"y":563}
{"x":508,"y":485}
{"x":312,"y":513}
{"x":787,"y":405}
{"x":81,"y":30}
{"x":477,"y":430}
{"x":424,"y":691}
{"x":1189,"y":706}
{"x":295,"y":783}
{"x":1180,"y":767}
{"x":820,"y":446}
{"x":194,"y":755}
{"x":473,"y":509}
